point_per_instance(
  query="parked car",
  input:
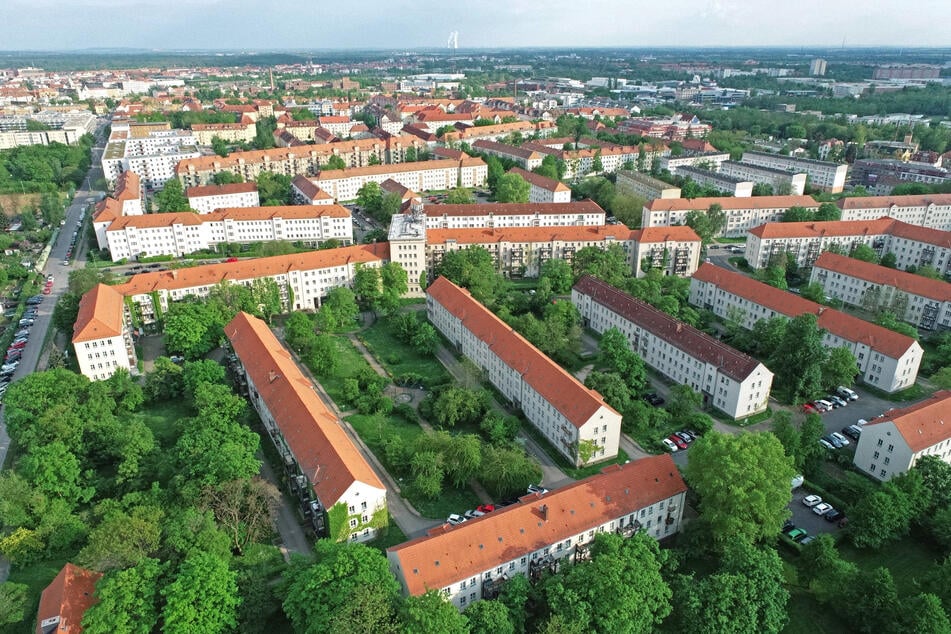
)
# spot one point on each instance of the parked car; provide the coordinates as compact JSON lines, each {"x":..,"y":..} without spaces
{"x":811,"y":500}
{"x":788,"y":526}
{"x":669,"y":444}
{"x":833,"y":515}
{"x":231,"y":260}
{"x":674,"y":438}
{"x":832,"y":440}
{"x":822,"y":508}
{"x":486,"y":508}
{"x":825,"y":443}
{"x":843,"y":441}
{"x":852,"y":431}
{"x":537,"y":488}
{"x":861,"y":422}
{"x":685,"y":436}
{"x":845,"y":392}
{"x":809,"y":408}
{"x":654,"y":399}
{"x":837,"y":401}
{"x":473,"y":513}
{"x":823,"y":405}
{"x":808,"y":539}
{"x":455,"y":519}
{"x":797,"y":534}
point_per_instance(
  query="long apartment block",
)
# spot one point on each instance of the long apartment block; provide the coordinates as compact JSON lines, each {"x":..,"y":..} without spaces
{"x":930,"y":210}
{"x":334,"y":485}
{"x":822,"y":175}
{"x":911,"y":244}
{"x":573,"y":418}
{"x":921,"y":301}
{"x":732,"y":382}
{"x":585,"y":213}
{"x":886,"y":359}
{"x":208,"y":198}
{"x":474,"y":560}
{"x":742,"y":214}
{"x":445,"y":174}
{"x":783,"y":182}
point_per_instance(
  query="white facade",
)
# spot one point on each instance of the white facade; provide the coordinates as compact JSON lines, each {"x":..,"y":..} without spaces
{"x":823,"y":175}
{"x":419,"y":177}
{"x":932,"y":211}
{"x":783,"y":183}
{"x":727,"y":184}
{"x":568,"y":414}
{"x":102,"y":337}
{"x":153,"y":158}
{"x":542,"y":189}
{"x":637,"y":184}
{"x":728,"y":380}
{"x":711,"y":161}
{"x":742,"y":214}
{"x":205,"y":200}
{"x":503,"y":215}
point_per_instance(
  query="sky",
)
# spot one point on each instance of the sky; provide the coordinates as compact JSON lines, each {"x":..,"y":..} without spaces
{"x":409,"y":24}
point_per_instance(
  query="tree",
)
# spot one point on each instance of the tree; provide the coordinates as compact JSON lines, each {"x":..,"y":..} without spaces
{"x":888,"y":320}
{"x":489,"y":617}
{"x":203,"y":597}
{"x":559,"y":275}
{"x":612,"y":387}
{"x":370,"y":196}
{"x":339,"y":309}
{"x":410,"y":156}
{"x":597,"y":166}
{"x":620,"y":590}
{"x":880,"y":517}
{"x":473,"y":269}
{"x":219,"y":146}
{"x":459,"y":406}
{"x":814,"y":292}
{"x":65,"y":312}
{"x":609,"y":264}
{"x":936,"y":475}
{"x":192,"y":328}
{"x":164,"y":382}
{"x":827,"y":212}
{"x":335,"y":163}
{"x":798,"y":214}
{"x":865,"y":253}
{"x":889,"y":260}
{"x":495,"y":171}
{"x":244,"y":509}
{"x":194,"y":373}
{"x":127,"y":600}
{"x":274,"y":189}
{"x":549,"y":168}
{"x":683,"y":402}
{"x":811,"y":453}
{"x":707,"y":224}
{"x":797,"y":360}
{"x":14,"y":599}
{"x":395,"y":282}
{"x":511,"y":188}
{"x":616,"y":354}
{"x":839,"y":368}
{"x":226,"y":178}
{"x":366,"y":285}
{"x":55,"y":471}
{"x":460,"y":196}
{"x":318,"y":592}
{"x":507,"y":470}
{"x":743,"y":484}
{"x":122,"y":538}
{"x":430,"y":613}
{"x":172,"y":198}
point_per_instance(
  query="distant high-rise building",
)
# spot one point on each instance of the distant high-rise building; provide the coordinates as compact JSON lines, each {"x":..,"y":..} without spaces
{"x":818,"y":67}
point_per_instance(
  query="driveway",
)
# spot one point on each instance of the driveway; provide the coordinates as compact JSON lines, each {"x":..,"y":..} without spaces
{"x":868,"y":406}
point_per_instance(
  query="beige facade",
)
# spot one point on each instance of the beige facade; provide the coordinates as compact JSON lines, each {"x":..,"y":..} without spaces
{"x":932,"y":211}
{"x":423,"y":176}
{"x":638,"y":184}
{"x":822,"y":175}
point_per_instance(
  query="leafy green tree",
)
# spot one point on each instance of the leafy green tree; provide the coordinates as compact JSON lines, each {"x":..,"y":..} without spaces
{"x":936,"y":475}
{"x":888,"y":320}
{"x":616,"y":355}
{"x":511,"y":188}
{"x":122,"y":538}
{"x":127,"y":601}
{"x":797,"y":360}
{"x":219,"y":146}
{"x":839,"y":368}
{"x":889,"y":260}
{"x":370,"y":609}
{"x":410,"y":156}
{"x":612,"y":387}
{"x":56,"y":472}
{"x":559,"y":275}
{"x":14,"y":600}
{"x":299,"y":332}
{"x":811,"y":453}
{"x":865,"y":253}
{"x":335,"y":163}
{"x":489,"y":617}
{"x":620,"y":590}
{"x":318,"y":592}
{"x":507,"y":470}
{"x":880,"y":517}
{"x":274,"y":189}
{"x":202,"y":598}
{"x":370,"y":196}
{"x":194,"y":373}
{"x":873,"y":604}
{"x":923,"y":613}
{"x":172,"y":198}
{"x":164,"y":382}
{"x":814,"y":292}
{"x":707,"y":224}
{"x":264,"y":133}
{"x":366,"y":286}
{"x":683,"y":402}
{"x":474,"y":269}
{"x":459,"y":406}
{"x":395,"y":283}
{"x":827,"y":212}
{"x":339,"y":310}
{"x":824,"y":571}
{"x":430,"y":613}
{"x":549,"y":168}
{"x":245,"y":509}
{"x":495,"y":171}
{"x":743,"y":484}
{"x":226,"y":178}
{"x":192,"y":328}
{"x":610,"y":265}
{"x":460,"y":196}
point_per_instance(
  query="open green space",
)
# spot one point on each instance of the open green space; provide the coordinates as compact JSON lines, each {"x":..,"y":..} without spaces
{"x":907,"y":559}
{"x":36,"y":576}
{"x":161,"y":419}
{"x":400,"y":358}
{"x":392,"y":537}
{"x":349,"y":364}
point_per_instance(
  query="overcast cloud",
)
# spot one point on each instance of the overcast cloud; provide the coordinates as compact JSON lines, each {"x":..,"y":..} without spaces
{"x":297,"y":24}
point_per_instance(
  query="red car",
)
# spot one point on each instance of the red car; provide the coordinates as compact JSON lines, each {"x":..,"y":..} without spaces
{"x":809,"y":408}
{"x":677,"y":440}
{"x":231,"y":260}
{"x":17,"y":346}
{"x":486,"y":508}
{"x":47,"y":290}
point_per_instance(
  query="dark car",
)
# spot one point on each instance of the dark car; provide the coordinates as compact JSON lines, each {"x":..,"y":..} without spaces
{"x":654,"y":399}
{"x":834,"y":515}
{"x":852,"y":432}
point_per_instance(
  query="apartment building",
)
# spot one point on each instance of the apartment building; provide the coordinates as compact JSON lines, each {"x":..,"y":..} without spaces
{"x":335,"y":486}
{"x":882,"y":175}
{"x":581,"y":161}
{"x":102,"y":336}
{"x":891,"y":444}
{"x":576,"y":420}
{"x":206,"y":199}
{"x":784,"y":183}
{"x":676,"y":128}
{"x":543,"y":189}
{"x":234,"y":132}
{"x":822,"y":175}
{"x":64,"y":602}
{"x":886,"y":359}
{"x":337,"y":125}
{"x":181,"y":233}
{"x":911,"y":244}
{"x":923,"y":302}
{"x":305,"y":192}
{"x":473,"y":561}
{"x":473,"y":134}
{"x":304,"y":279}
{"x":930,"y":210}
{"x":703,"y":160}
{"x":419,"y":176}
{"x":729,"y":185}
{"x":153,"y":157}
{"x":527,"y":158}
{"x":126,"y":200}
{"x":732,"y":382}
{"x":742,"y":214}
{"x":292,"y":161}
{"x":637,"y":184}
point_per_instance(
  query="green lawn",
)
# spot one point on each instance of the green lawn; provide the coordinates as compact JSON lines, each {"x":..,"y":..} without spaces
{"x":392,"y":537}
{"x":907,"y":560}
{"x":349,"y":363}
{"x":399,"y":358}
{"x":161,"y":419}
{"x":37,"y":576}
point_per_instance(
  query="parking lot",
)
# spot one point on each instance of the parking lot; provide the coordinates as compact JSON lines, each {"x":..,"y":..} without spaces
{"x":803,"y":517}
{"x":868,"y":406}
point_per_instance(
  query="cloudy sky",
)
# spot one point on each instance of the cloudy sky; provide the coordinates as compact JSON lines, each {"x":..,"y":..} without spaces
{"x":261,"y":24}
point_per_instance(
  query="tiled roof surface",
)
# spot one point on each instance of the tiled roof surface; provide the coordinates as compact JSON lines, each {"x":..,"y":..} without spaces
{"x":100,"y":314}
{"x":881,"y":202}
{"x":924,"y":424}
{"x":309,"y":189}
{"x":221,"y":190}
{"x":529,"y":234}
{"x":730,"y":203}
{"x":666,"y":234}
{"x":514,"y":209}
{"x":68,"y":596}
{"x":373,"y":170}
{"x":460,"y":552}
{"x":877,"y":274}
{"x":538,"y":180}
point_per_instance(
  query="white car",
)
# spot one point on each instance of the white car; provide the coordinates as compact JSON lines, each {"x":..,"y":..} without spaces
{"x":845,"y":392}
{"x":841,"y":438}
{"x":474,"y":513}
{"x":455,"y":519}
{"x":811,"y":500}
{"x":822,"y":508}
{"x":861,"y":422}
{"x":669,"y":444}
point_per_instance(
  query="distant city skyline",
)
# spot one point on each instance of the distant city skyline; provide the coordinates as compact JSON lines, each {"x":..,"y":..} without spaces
{"x":396,"y":24}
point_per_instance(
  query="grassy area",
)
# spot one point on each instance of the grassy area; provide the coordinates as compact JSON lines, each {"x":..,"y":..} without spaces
{"x":392,"y":537}
{"x":742,"y":422}
{"x":722,"y":240}
{"x":399,"y":358}
{"x":803,"y":610}
{"x":349,"y":363}
{"x":741,"y":263}
{"x":161,"y":419}
{"x":912,"y":393}
{"x":907,"y":560}
{"x":37,"y":576}
{"x":570,"y":470}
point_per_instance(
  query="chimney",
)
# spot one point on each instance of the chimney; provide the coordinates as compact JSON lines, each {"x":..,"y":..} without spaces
{"x":273,"y":376}
{"x":680,"y":327}
{"x":544,"y":511}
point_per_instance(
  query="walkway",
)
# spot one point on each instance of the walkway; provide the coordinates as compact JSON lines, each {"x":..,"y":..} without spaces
{"x":293,"y":537}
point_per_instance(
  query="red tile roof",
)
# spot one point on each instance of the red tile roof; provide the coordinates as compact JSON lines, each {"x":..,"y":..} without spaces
{"x":907,"y":282}
{"x":538,"y":180}
{"x":221,"y":190}
{"x":529,"y":234}
{"x":881,"y":202}
{"x":565,"y":393}
{"x":842,"y":228}
{"x":100,"y":314}
{"x":107,"y":210}
{"x":924,"y":424}
{"x":666,"y":234}
{"x":309,"y":189}
{"x":314,"y":434}
{"x":507,"y":534}
{"x":878,"y":338}
{"x":696,"y":343}
{"x":515,"y":209}
{"x":921,"y":234}
{"x":127,"y":187}
{"x":68,"y":597}
{"x":730,"y":203}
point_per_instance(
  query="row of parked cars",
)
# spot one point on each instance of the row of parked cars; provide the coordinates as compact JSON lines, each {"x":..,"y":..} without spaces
{"x":820,"y":508}
{"x":11,"y":361}
{"x":841,"y":398}
{"x":680,"y":440}
{"x":455,"y":519}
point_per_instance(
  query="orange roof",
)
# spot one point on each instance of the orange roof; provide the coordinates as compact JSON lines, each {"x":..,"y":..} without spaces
{"x":922,"y":425}
{"x":844,"y":228}
{"x":565,"y":393}
{"x":515,"y":209}
{"x":107,"y":210}
{"x":211,"y":274}
{"x":505,"y":148}
{"x":221,"y":190}
{"x":881,"y":202}
{"x":907,"y":282}
{"x":666,"y":234}
{"x":127,"y":186}
{"x":390,"y":186}
{"x":540,"y":181}
{"x":439,"y":115}
{"x":323,"y":120}
{"x":498,"y":128}
{"x":878,"y":338}
{"x":730,"y":203}
{"x":68,"y":597}
{"x":509,"y":533}
{"x":314,"y":434}
{"x":529,"y":234}
{"x":374,"y":170}
{"x":210,"y":127}
{"x":309,"y":189}
{"x":918,"y":233}
{"x":100,"y":314}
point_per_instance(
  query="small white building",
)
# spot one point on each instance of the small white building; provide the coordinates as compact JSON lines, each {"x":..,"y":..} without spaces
{"x":732,"y":382}
{"x":473,"y":561}
{"x":891,"y":444}
{"x":335,"y":486}
{"x":575,"y":419}
{"x":207,"y":198}
{"x":543,"y":189}
{"x":102,"y":338}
